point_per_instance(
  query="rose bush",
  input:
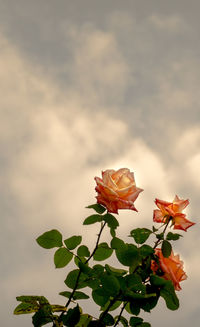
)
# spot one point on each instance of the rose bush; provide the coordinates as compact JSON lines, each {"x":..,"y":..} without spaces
{"x":172,"y":210}
{"x":117,"y":190}
{"x":171,"y":267}
{"x":146,"y":272}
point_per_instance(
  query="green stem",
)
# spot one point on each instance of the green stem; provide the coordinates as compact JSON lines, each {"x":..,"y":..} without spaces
{"x":97,"y":242}
{"x":118,"y":319}
{"x":164,"y":230}
{"x":79,"y":274}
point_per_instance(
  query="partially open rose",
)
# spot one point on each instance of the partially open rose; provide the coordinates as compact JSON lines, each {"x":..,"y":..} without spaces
{"x":172,"y":268}
{"x":117,"y":190}
{"x":172,"y":210}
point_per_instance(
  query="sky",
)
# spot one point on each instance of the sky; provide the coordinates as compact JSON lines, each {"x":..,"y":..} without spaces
{"x":87,"y":86}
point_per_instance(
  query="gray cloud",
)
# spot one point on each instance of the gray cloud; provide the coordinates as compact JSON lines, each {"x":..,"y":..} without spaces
{"x":107,"y":88}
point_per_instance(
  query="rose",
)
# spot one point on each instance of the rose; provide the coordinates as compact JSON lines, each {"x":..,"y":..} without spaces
{"x":117,"y":190}
{"x":171,"y":267}
{"x":172,"y":210}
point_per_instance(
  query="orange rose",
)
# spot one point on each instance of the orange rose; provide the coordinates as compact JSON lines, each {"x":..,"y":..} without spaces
{"x":171,"y":267}
{"x":172,"y":210}
{"x":117,"y":190}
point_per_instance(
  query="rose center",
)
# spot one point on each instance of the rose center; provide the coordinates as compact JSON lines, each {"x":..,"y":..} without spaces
{"x":123,"y":182}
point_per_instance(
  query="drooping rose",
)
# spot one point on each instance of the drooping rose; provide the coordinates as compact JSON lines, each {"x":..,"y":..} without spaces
{"x":117,"y":190}
{"x":173,"y":211}
{"x":172,"y":268}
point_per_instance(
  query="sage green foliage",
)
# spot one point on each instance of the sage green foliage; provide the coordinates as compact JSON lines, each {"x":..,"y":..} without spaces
{"x":132,"y":288}
{"x":140,"y":235}
{"x":72,"y":242}
{"x":173,"y":236}
{"x":50,"y":239}
{"x":166,"y":248}
{"x":103,"y":252}
{"x":83,"y":251}
{"x":62,"y":257}
{"x":77,"y":295}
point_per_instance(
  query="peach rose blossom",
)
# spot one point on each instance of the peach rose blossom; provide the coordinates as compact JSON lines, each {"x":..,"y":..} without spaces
{"x":172,"y":210}
{"x":117,"y":190}
{"x":172,"y":267}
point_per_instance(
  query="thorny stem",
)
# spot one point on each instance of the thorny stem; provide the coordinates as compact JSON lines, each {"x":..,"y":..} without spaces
{"x":97,"y":242}
{"x":79,"y":274}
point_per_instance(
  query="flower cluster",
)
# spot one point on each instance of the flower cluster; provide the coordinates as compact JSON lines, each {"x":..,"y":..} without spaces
{"x":117,"y":190}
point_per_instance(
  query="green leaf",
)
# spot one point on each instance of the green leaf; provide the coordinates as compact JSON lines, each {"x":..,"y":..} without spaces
{"x":128,"y":255}
{"x":173,"y":236}
{"x":72,"y":242}
{"x":115,"y":271}
{"x":123,"y":321}
{"x":70,"y":281}
{"x":103,"y":252}
{"x":146,"y":250}
{"x":77,"y":260}
{"x":85,"y":269}
{"x":30,"y":304}
{"x":157,"y":281}
{"x":154,"y":229}
{"x":32,"y":299}
{"x":62,"y":257}
{"x":24,"y":308}
{"x":145,"y":324}
{"x":112,"y":232}
{"x":135,"y":321}
{"x":84,"y":320}
{"x":42,"y":316}
{"x":117,"y":243}
{"x":169,"y":295}
{"x":140,"y":235}
{"x":166,"y":291}
{"x":133,"y":308}
{"x":99,"y":296}
{"x":97,"y":207}
{"x":166,"y":249}
{"x":160,"y":236}
{"x":92,"y":219}
{"x":80,"y":296}
{"x":98,"y":269}
{"x":50,"y":239}
{"x":134,"y":283}
{"x":83,"y":251}
{"x":93,"y":283}
{"x":77,"y":295}
{"x":111,"y":221}
{"x":72,"y":317}
{"x":95,"y":323}
{"x":108,"y":320}
{"x":113,"y":307}
{"x":65,"y":294}
{"x":110,"y":284}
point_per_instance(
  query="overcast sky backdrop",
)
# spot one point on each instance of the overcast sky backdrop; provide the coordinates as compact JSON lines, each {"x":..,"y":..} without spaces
{"x":87,"y":85}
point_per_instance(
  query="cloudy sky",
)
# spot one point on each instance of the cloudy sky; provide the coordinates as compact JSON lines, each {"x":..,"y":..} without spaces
{"x":87,"y":85}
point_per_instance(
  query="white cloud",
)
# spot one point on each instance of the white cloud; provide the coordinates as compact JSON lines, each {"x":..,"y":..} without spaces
{"x":100,"y":72}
